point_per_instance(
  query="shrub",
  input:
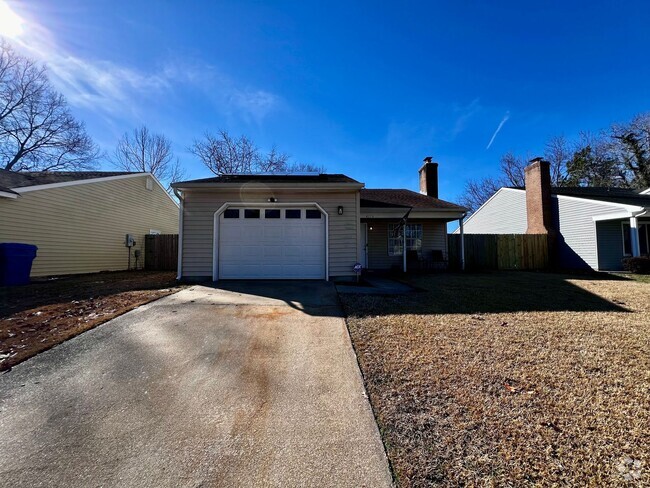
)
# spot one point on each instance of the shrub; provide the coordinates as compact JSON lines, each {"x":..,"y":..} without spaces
{"x":637,"y":265}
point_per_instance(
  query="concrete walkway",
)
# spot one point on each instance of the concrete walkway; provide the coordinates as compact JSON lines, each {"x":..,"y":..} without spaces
{"x":256,"y":385}
{"x":376,"y":286}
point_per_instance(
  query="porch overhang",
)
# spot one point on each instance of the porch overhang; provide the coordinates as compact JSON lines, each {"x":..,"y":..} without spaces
{"x":393,"y":213}
{"x":624,"y":214}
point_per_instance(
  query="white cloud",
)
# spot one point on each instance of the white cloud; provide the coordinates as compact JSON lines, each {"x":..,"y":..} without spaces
{"x":118,"y":91}
{"x":499,"y":127}
{"x":463,"y":115}
{"x":251,"y":104}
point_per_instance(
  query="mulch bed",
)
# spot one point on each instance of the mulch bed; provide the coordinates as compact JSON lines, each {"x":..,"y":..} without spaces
{"x":510,"y":379}
{"x":38,"y":316}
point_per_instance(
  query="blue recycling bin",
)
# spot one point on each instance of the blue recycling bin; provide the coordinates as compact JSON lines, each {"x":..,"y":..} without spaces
{"x":16,"y":263}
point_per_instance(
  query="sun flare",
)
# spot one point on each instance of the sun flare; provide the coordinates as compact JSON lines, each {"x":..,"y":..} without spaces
{"x":11,"y":24}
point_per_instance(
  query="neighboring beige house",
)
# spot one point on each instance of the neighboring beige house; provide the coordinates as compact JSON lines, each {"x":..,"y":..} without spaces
{"x":79,"y":220}
{"x":306,"y":226}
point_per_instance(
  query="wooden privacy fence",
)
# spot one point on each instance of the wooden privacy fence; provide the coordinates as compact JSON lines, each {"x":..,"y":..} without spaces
{"x":161,"y":252}
{"x":500,"y":251}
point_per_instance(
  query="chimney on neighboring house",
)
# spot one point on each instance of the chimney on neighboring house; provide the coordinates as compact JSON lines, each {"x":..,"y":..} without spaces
{"x":429,"y":178}
{"x":538,"y":197}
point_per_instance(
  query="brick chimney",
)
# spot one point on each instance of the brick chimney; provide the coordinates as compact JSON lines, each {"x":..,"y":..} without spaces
{"x":538,"y":197}
{"x":429,"y":178}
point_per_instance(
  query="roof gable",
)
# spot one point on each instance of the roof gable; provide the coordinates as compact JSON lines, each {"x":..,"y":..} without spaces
{"x":623,"y":196}
{"x":15,"y":179}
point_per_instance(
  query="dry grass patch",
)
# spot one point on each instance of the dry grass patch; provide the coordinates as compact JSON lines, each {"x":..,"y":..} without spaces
{"x":38,"y":316}
{"x":510,"y":379}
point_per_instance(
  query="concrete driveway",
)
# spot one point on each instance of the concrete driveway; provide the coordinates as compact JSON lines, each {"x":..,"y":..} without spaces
{"x":254,"y":384}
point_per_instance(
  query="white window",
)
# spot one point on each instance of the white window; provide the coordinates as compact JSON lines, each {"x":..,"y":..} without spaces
{"x":395,"y":239}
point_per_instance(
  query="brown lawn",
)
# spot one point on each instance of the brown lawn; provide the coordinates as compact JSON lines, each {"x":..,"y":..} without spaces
{"x":38,"y":316}
{"x":510,"y":379}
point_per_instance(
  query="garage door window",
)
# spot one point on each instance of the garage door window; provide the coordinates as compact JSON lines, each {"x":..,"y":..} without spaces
{"x":292,"y":214}
{"x":252,"y":213}
{"x":231,"y":213}
{"x":272,"y":213}
{"x":312,"y":214}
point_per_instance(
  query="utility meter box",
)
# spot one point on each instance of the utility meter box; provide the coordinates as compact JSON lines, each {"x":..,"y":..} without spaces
{"x":129,"y":241}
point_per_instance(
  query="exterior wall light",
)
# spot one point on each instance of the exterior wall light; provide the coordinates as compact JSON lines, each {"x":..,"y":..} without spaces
{"x":340,"y":210}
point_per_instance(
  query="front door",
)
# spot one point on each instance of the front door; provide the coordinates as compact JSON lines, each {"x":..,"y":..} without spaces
{"x":363,"y":246}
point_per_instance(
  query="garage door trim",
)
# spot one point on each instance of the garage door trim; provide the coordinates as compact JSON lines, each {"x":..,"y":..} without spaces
{"x":222,"y":209}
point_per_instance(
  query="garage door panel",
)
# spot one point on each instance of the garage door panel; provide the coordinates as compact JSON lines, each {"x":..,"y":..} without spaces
{"x":272,"y":248}
{"x":273,"y":231}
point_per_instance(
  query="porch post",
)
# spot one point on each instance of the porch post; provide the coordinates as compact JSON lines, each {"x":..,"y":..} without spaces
{"x":634,"y":236}
{"x":404,"y":247}
{"x":462,"y":244}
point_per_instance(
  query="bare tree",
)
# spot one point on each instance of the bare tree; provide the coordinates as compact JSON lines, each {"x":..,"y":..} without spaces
{"x":512,"y":173}
{"x":37,"y":130}
{"x":305,"y":168}
{"x":477,"y":192}
{"x":142,"y":150}
{"x":224,"y":154}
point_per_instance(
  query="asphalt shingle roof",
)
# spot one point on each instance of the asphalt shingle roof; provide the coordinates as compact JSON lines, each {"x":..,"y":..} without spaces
{"x":15,"y":179}
{"x":268,"y":178}
{"x":403,"y":198}
{"x":625,"y":196}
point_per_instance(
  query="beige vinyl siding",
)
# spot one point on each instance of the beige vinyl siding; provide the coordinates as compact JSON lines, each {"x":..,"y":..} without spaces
{"x":199,"y":207}
{"x":81,"y":228}
{"x":434,"y":237}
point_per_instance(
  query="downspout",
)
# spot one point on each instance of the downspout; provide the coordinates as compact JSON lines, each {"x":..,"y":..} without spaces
{"x":179,"y":272}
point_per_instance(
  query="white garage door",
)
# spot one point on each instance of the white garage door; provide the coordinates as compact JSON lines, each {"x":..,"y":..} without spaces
{"x":272,"y":243}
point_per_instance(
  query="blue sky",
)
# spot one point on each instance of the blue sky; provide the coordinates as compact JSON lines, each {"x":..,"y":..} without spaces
{"x":366,"y":89}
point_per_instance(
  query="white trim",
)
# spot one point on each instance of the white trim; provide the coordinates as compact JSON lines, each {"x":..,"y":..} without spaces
{"x":634,"y":237}
{"x":179,"y":271}
{"x":646,"y":192}
{"x":48,"y":186}
{"x":6,"y":194}
{"x":631,"y":208}
{"x":612,"y":216}
{"x":220,"y":210}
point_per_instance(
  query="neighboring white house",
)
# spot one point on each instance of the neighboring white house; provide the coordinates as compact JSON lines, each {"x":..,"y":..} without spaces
{"x":79,"y":220}
{"x":596,"y":227}
{"x":305,"y":226}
